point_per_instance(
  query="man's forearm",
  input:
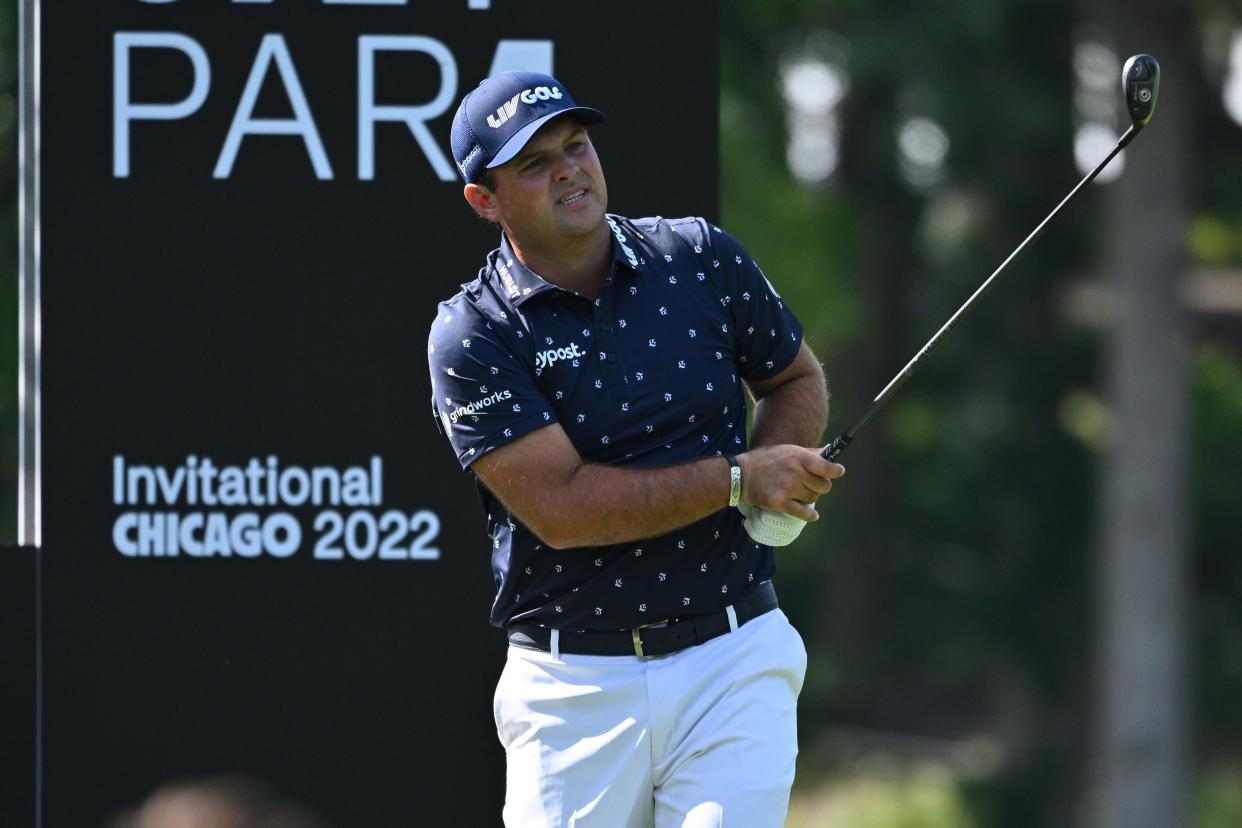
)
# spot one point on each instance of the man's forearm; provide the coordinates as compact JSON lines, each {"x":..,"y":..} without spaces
{"x":612,"y":504}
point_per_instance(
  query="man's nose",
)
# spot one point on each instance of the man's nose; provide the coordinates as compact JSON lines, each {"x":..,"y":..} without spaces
{"x":565,"y":168}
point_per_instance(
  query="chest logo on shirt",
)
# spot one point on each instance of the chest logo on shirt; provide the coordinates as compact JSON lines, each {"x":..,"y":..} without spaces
{"x":548,"y":358}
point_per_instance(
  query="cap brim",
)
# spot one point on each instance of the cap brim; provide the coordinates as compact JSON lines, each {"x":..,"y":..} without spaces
{"x":515,"y":144}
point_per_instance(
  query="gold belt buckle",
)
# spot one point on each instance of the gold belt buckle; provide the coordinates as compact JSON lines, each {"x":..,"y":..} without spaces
{"x":637,"y":638}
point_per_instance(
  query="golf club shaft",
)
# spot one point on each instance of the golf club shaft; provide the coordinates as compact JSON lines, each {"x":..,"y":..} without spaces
{"x":838,"y":445}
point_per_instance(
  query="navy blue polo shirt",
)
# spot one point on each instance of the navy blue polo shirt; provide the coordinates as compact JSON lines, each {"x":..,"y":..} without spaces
{"x":648,"y":374}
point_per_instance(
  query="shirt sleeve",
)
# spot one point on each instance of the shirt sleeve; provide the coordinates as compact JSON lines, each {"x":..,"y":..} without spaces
{"x":483,"y":391}
{"x":768,"y":335}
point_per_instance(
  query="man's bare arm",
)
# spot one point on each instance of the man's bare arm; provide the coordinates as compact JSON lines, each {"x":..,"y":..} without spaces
{"x":569,"y":503}
{"x":791,"y":410}
{"x":791,"y":407}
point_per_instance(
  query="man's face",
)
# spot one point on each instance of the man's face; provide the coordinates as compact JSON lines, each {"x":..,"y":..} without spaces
{"x":553,"y":190}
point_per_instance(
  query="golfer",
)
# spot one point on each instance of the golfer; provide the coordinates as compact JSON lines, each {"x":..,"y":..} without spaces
{"x":592,"y":380}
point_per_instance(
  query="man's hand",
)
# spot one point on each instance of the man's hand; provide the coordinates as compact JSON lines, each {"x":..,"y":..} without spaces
{"x":786,"y":479}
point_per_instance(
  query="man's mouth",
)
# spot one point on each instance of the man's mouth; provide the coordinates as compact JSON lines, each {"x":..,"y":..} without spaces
{"x":572,"y":197}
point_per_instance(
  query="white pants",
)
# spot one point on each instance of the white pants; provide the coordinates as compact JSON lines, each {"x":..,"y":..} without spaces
{"x":703,"y":737}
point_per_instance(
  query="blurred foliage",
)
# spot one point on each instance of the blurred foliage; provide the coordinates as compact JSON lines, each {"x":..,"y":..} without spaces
{"x":922,"y":799}
{"x":1212,"y":240}
{"x":930,"y":797}
{"x":946,"y":592}
{"x":1218,"y":799}
{"x":1217,"y":498}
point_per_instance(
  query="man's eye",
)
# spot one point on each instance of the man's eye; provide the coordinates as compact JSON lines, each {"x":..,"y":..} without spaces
{"x":577,"y":146}
{"x":534,"y":164}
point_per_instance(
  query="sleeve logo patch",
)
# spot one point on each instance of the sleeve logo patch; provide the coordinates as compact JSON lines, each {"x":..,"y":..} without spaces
{"x":479,"y":405}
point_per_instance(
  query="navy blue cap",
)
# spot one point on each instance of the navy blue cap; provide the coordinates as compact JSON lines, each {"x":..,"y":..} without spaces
{"x":498,"y":117}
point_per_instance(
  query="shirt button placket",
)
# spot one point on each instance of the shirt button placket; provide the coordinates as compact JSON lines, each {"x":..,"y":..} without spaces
{"x":612,"y":367}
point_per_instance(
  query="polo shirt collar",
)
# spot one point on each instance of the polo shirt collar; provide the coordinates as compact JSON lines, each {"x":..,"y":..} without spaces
{"x":521,"y":283}
{"x":518,"y":281}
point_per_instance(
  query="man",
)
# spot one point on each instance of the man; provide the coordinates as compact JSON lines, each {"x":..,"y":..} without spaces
{"x":591,"y":380}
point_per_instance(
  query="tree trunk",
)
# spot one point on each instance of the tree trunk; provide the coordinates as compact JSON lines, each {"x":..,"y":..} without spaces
{"x":1141,"y":731}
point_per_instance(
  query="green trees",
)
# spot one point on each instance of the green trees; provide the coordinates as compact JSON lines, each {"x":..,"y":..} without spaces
{"x":948,"y":593}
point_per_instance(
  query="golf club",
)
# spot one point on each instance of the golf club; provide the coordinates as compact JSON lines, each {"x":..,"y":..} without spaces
{"x":1140,"y":81}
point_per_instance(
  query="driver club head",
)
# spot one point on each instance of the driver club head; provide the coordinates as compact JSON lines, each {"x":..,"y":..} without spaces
{"x":1140,"y":80}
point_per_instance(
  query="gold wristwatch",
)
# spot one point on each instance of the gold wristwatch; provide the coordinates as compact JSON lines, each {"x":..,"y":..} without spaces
{"x":735,"y":480}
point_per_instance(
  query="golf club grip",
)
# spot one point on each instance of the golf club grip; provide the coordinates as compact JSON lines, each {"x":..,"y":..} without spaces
{"x":834,"y":449}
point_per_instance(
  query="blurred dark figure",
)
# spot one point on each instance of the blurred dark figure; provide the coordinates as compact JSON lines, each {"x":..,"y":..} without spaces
{"x":219,"y":802}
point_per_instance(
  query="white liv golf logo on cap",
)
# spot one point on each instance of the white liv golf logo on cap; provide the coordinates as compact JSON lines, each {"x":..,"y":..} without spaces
{"x":529,"y":96}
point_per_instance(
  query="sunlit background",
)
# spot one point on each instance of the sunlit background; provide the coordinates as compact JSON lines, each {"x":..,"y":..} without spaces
{"x":1023,"y":602}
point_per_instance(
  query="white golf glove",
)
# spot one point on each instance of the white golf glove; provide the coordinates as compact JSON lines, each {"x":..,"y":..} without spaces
{"x":768,"y":527}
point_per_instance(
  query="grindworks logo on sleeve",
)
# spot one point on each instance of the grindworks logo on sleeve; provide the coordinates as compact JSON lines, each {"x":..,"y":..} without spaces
{"x":478,"y":405}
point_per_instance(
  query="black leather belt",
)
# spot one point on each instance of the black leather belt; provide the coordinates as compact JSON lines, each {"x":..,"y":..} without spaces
{"x":648,"y":640}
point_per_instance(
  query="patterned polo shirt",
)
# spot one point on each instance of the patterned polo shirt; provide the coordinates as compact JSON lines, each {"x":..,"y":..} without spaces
{"x":649,"y":373}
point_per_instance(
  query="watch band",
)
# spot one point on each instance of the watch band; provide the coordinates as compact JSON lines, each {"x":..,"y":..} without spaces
{"x":735,"y":480}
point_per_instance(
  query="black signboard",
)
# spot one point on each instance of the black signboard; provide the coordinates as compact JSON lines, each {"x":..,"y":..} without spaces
{"x":17,"y":689}
{"x":258,"y":555}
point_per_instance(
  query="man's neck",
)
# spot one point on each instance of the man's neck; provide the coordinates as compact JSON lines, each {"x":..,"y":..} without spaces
{"x":580,"y":265}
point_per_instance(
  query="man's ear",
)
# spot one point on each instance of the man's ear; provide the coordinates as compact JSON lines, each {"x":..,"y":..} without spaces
{"x":483,"y":201}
